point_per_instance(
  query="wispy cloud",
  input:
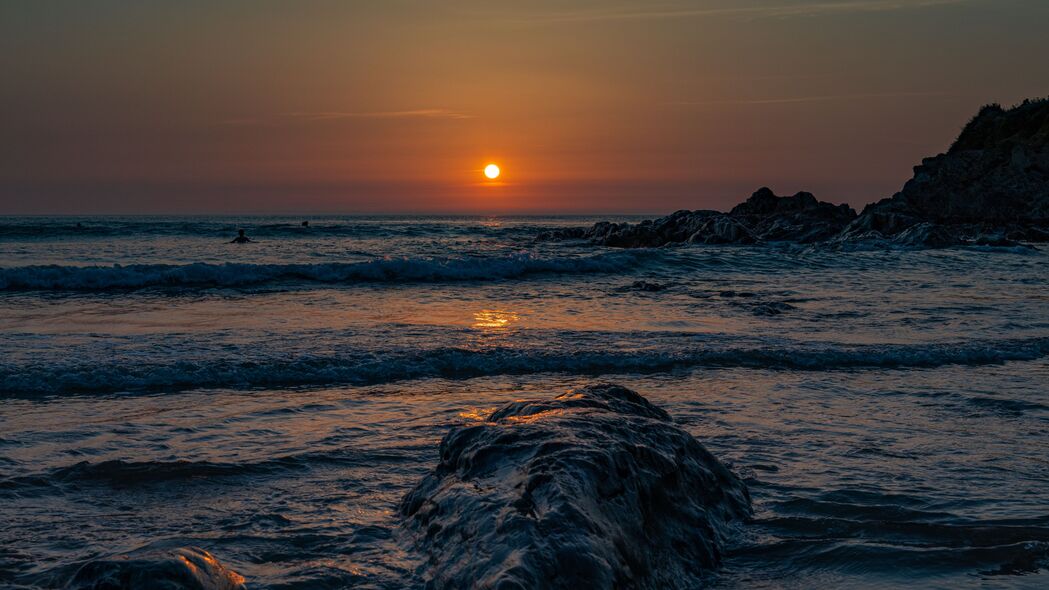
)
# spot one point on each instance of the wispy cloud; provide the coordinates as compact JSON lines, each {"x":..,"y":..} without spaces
{"x":418,"y":113}
{"x":311,"y":116}
{"x":799,"y":99}
{"x":766,"y":11}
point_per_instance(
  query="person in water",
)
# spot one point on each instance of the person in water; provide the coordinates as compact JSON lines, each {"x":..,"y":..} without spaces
{"x":241,"y":238}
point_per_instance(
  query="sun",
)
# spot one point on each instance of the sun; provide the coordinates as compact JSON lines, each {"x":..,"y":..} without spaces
{"x":491,"y":171}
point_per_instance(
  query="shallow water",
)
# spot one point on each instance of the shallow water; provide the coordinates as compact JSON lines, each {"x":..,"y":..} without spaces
{"x":272,"y":402}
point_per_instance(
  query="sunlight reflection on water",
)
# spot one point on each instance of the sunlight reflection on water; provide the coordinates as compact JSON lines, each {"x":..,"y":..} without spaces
{"x":494,"y":319}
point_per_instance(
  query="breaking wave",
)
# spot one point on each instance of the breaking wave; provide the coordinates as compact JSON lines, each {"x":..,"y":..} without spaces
{"x":205,"y":275}
{"x":251,"y":368}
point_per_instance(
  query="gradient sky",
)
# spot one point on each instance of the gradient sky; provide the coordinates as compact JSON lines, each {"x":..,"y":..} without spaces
{"x":395,"y":105}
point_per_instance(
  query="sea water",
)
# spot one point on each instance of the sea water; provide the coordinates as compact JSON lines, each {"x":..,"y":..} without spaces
{"x":272,"y":402}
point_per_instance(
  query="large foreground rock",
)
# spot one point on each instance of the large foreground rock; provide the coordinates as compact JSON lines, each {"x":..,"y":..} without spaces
{"x":596,"y":488}
{"x":187,"y":568}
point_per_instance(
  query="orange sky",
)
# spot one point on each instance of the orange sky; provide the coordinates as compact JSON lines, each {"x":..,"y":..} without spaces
{"x":395,"y":106}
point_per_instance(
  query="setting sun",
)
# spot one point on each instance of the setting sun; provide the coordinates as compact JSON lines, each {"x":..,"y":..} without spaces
{"x":491,"y":171}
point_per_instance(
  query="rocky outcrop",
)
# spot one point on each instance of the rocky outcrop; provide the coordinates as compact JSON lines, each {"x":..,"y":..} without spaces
{"x":990,"y":188}
{"x":187,"y":568}
{"x":800,"y":218}
{"x":992,"y":185}
{"x":763,"y":217}
{"x":596,"y":488}
{"x":722,"y":229}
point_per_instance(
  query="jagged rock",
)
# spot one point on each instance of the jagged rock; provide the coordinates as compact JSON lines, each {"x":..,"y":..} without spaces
{"x":674,"y":228}
{"x":596,"y":488}
{"x":763,"y":217}
{"x":764,"y":203}
{"x":722,"y":229}
{"x":187,"y":568}
{"x":995,"y":176}
{"x":799,"y":218}
{"x":928,"y":235}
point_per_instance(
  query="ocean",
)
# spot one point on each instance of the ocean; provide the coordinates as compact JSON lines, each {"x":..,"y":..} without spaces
{"x":273,"y":402}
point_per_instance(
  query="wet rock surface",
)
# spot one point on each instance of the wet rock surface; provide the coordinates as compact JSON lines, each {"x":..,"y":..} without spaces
{"x":186,"y":568}
{"x":596,"y":488}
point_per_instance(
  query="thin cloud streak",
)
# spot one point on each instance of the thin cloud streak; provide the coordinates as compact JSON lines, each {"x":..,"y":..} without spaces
{"x":313,"y":116}
{"x":418,"y":113}
{"x":802,"y":99}
{"x":809,"y":9}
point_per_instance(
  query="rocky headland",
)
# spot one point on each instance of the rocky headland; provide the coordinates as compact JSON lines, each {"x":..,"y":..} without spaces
{"x":990,"y":188}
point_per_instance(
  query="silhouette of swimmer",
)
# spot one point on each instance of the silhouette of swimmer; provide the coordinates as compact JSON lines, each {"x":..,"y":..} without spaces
{"x":305,"y":224}
{"x":241,"y":238}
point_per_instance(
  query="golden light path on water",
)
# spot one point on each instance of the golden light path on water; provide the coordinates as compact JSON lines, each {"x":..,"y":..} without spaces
{"x":493,"y":318}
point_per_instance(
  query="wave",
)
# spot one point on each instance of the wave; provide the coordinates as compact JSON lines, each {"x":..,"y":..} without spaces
{"x":47,"y":229}
{"x":123,"y":472}
{"x":250,"y":368}
{"x":129,"y":473}
{"x":205,"y":275}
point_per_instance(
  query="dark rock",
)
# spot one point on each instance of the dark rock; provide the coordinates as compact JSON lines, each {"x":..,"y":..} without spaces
{"x":996,"y":175}
{"x":674,"y":228}
{"x":567,"y":233}
{"x":763,"y":217}
{"x":722,"y":229}
{"x":187,"y":568}
{"x":765,"y":203}
{"x":928,"y":235}
{"x":596,"y":488}
{"x":800,"y":218}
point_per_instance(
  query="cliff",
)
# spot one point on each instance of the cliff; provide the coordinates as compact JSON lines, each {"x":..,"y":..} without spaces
{"x":995,"y":177}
